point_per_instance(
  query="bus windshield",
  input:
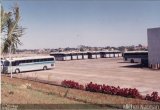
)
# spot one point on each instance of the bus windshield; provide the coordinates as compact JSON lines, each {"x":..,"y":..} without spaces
{"x":7,"y":63}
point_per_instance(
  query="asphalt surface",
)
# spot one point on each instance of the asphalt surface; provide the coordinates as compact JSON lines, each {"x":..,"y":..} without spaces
{"x":111,"y":71}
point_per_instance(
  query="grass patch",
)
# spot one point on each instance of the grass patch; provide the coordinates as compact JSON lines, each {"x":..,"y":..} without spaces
{"x":39,"y":93}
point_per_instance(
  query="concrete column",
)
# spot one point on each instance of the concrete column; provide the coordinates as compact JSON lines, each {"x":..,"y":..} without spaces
{"x":158,"y":66}
{"x":82,"y":56}
{"x":114,"y":55}
{"x":77,"y":56}
{"x":71,"y":57}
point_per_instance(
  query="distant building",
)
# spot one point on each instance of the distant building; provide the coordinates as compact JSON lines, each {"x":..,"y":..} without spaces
{"x":65,"y":56}
{"x":154,"y":47}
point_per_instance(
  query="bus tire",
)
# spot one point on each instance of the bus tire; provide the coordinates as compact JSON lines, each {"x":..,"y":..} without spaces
{"x":132,"y":61}
{"x":45,"y":68}
{"x":17,"y":71}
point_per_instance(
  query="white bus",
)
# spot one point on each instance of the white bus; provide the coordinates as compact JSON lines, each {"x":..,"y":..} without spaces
{"x":28,"y":64}
{"x":135,"y":56}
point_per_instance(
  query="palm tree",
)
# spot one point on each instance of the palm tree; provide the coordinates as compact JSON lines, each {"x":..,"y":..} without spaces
{"x":11,"y":30}
{"x":4,"y":17}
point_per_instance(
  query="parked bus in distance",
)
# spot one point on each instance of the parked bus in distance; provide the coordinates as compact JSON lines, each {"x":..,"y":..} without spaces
{"x":28,"y":64}
{"x":135,"y":56}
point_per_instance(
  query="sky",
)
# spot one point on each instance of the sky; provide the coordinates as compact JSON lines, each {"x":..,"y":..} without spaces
{"x":70,"y":23}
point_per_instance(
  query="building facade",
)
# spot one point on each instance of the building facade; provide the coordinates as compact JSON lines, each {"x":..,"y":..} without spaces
{"x":154,"y":47}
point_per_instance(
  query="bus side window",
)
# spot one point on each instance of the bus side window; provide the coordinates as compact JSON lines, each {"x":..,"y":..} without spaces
{"x":46,"y":59}
{"x":17,"y":63}
{"x":13,"y":63}
{"x":27,"y":61}
{"x":23,"y":61}
{"x":6,"y":63}
{"x":41,"y":60}
{"x":36,"y":60}
{"x":51,"y":59}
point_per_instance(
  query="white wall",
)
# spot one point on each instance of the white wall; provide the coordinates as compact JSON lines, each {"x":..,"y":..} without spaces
{"x":153,"y":46}
{"x":116,"y":54}
{"x":107,"y":55}
{"x":93,"y":56}
{"x":120,"y":54}
{"x":67,"y":58}
{"x":74,"y":57}
{"x":111,"y":55}
{"x":98,"y":56}
{"x":79,"y":56}
{"x":85,"y":56}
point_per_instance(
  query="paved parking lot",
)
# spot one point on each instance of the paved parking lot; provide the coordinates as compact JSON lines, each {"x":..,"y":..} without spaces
{"x":111,"y":71}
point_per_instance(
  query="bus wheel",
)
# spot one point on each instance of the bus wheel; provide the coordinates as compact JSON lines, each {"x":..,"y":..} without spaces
{"x":45,"y":68}
{"x":17,"y":71}
{"x":132,"y":61}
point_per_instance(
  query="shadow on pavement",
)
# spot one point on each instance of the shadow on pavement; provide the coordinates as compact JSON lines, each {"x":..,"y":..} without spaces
{"x":123,"y":62}
{"x":134,"y":66}
{"x":28,"y":71}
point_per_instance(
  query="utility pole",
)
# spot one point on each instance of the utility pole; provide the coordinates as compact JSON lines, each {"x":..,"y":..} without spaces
{"x":10,"y":57}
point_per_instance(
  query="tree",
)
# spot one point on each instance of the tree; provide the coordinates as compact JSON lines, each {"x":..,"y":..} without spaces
{"x":11,"y":30}
{"x":4,"y":18}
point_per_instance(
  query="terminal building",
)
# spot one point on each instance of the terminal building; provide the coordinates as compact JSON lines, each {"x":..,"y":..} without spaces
{"x":110,"y":54}
{"x":62,"y":56}
{"x":154,"y":47}
{"x":93,"y":55}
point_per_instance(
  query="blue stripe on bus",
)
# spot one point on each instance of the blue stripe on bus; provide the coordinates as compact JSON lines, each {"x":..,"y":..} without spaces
{"x":35,"y":63}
